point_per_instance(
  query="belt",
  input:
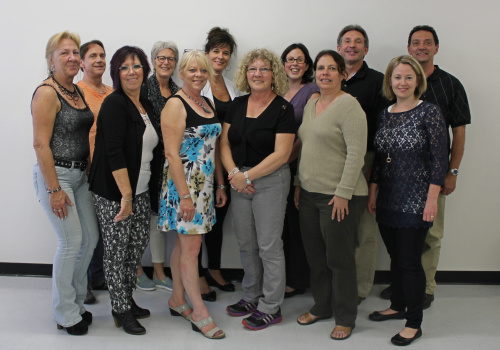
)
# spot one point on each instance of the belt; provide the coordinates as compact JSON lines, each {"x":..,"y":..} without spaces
{"x":71,"y":164}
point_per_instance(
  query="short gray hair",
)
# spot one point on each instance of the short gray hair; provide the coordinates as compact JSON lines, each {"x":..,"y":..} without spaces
{"x":162,"y":45}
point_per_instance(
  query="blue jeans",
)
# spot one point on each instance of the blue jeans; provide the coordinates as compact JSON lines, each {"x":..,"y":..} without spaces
{"x":77,"y":237}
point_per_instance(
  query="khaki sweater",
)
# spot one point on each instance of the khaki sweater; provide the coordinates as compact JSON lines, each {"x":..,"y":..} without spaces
{"x":333,"y":149}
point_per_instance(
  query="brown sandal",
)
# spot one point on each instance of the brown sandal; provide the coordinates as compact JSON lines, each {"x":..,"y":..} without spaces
{"x":346,"y":330}
{"x":310,"y":320}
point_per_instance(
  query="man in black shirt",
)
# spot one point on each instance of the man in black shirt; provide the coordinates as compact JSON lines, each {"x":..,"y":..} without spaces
{"x":446,"y":91}
{"x":365,"y":84}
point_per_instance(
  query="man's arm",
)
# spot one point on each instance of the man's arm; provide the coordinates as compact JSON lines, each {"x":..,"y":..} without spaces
{"x":457,"y":152}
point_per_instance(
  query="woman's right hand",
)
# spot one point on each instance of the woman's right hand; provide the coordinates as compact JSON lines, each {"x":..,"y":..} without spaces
{"x":187,"y":209}
{"x":125,"y":211}
{"x":296,"y":196}
{"x":58,"y":201}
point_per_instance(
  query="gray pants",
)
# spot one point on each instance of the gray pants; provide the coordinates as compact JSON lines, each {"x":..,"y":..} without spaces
{"x":329,"y":247}
{"x":258,"y":220}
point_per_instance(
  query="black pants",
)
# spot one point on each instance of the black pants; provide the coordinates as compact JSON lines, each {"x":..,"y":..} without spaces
{"x":297,"y":268}
{"x":405,"y":246}
{"x":213,"y":239}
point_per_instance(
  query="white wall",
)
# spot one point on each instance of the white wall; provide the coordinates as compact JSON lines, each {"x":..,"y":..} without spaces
{"x":469,"y":49}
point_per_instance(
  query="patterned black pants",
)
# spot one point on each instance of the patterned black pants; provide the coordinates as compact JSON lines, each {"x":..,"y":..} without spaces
{"x":124,"y":244}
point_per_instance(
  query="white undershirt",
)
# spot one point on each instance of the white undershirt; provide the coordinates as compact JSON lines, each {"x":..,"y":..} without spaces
{"x":149,"y":142}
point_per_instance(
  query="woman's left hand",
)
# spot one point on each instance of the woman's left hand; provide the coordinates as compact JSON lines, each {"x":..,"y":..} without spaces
{"x":430,"y":210}
{"x":340,"y":208}
{"x":220,"y":197}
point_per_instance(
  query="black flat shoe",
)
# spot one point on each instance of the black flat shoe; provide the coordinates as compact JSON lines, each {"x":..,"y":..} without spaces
{"x":377,"y":316}
{"x":87,"y":317}
{"x":129,"y":323}
{"x":228,"y":287}
{"x":402,"y":341}
{"x":211,"y":296}
{"x":139,"y":312}
{"x":294,"y":293}
{"x":80,"y":328}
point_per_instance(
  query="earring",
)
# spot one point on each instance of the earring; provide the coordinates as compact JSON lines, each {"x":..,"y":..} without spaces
{"x":52,"y":69}
{"x":272,"y":86}
{"x":228,"y":68}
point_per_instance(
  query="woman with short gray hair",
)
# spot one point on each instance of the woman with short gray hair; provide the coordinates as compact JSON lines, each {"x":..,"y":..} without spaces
{"x":160,"y":86}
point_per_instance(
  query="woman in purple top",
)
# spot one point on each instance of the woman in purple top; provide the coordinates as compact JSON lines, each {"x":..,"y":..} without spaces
{"x":299,"y":69}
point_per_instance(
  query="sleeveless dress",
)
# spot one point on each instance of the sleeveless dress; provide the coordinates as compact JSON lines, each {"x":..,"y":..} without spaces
{"x":197,"y":153}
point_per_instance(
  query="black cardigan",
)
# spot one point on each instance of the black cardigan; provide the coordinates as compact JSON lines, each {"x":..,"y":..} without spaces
{"x":118,"y":145}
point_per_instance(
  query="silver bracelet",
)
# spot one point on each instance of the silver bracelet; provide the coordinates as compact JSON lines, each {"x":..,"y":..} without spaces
{"x":185,"y":197}
{"x":222,"y":187}
{"x":127,"y":200}
{"x":234,"y":171}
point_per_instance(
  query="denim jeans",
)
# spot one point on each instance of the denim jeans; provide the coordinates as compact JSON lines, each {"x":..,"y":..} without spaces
{"x":77,"y":237}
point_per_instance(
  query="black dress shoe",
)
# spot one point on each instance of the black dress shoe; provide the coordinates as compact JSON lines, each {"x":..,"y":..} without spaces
{"x":386,"y":293}
{"x":428,"y":299}
{"x":294,"y":293}
{"x":80,"y":328}
{"x":210,"y":296}
{"x":87,"y":317}
{"x":377,"y":316}
{"x":402,"y":341}
{"x":228,"y":287}
{"x":89,"y":298}
{"x":129,"y":322}
{"x":139,"y":312}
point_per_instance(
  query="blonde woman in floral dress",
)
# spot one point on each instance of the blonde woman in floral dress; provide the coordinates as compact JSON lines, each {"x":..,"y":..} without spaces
{"x":190,"y":130}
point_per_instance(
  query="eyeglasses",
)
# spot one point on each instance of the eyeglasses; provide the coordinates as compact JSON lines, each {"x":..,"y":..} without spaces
{"x":127,"y":69}
{"x":263,"y":70}
{"x":162,"y":59}
{"x":298,"y":59}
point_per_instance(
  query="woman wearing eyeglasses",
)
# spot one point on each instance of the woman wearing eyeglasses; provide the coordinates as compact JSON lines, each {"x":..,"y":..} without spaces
{"x":126,"y":154}
{"x":299,"y":70}
{"x":256,"y":142}
{"x":160,"y":86}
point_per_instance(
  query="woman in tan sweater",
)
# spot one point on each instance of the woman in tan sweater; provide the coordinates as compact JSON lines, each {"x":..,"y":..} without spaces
{"x":330,"y":194}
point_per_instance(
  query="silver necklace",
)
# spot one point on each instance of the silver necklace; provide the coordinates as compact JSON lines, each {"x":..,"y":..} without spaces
{"x":202,"y":104}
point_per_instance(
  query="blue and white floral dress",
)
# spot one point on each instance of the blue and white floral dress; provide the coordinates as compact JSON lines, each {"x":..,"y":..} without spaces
{"x":197,"y":154}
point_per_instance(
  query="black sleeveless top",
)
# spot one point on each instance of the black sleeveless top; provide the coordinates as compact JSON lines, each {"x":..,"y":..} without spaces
{"x":221,"y":107}
{"x":70,"y":136}
{"x":193,"y":119}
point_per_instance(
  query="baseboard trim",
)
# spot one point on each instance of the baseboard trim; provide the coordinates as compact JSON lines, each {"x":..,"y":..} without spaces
{"x":381,"y":277}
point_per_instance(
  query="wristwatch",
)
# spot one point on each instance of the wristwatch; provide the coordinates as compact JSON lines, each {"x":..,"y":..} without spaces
{"x":453,"y":171}
{"x":247,"y":179}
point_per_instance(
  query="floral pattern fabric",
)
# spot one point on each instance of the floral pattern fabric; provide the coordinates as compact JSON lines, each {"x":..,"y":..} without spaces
{"x":197,"y":154}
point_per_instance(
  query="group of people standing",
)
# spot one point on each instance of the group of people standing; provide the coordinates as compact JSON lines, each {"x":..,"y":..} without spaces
{"x":306,"y":167}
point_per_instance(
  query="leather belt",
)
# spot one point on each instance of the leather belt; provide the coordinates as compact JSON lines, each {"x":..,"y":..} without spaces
{"x":71,"y":164}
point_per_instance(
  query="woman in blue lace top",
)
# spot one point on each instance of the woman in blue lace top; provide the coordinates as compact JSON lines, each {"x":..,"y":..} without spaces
{"x":408,"y":172}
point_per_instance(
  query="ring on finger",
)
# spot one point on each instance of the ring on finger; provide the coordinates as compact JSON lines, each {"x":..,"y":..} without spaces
{"x":185,"y":214}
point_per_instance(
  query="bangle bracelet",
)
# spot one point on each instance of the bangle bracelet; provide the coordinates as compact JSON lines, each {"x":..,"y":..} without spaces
{"x":54,"y":191}
{"x":222,"y":187}
{"x":127,"y":200}
{"x":185,"y":197}
{"x":234,"y":171}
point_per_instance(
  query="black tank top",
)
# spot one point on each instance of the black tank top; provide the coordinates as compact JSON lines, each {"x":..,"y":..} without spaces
{"x":70,"y":136}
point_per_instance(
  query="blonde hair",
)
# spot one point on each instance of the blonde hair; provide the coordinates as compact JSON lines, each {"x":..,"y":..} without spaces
{"x":417,"y":68}
{"x":200,"y":57}
{"x":268,"y":56}
{"x":55,"y":40}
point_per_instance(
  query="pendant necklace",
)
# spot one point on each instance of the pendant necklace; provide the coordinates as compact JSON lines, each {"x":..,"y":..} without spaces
{"x":72,"y":96}
{"x":202,"y":104}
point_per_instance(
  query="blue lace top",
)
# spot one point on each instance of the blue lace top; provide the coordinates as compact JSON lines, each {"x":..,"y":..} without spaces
{"x":410,"y":154}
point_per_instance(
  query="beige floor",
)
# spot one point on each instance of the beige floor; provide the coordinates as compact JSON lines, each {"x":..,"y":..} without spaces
{"x":462,"y":317}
